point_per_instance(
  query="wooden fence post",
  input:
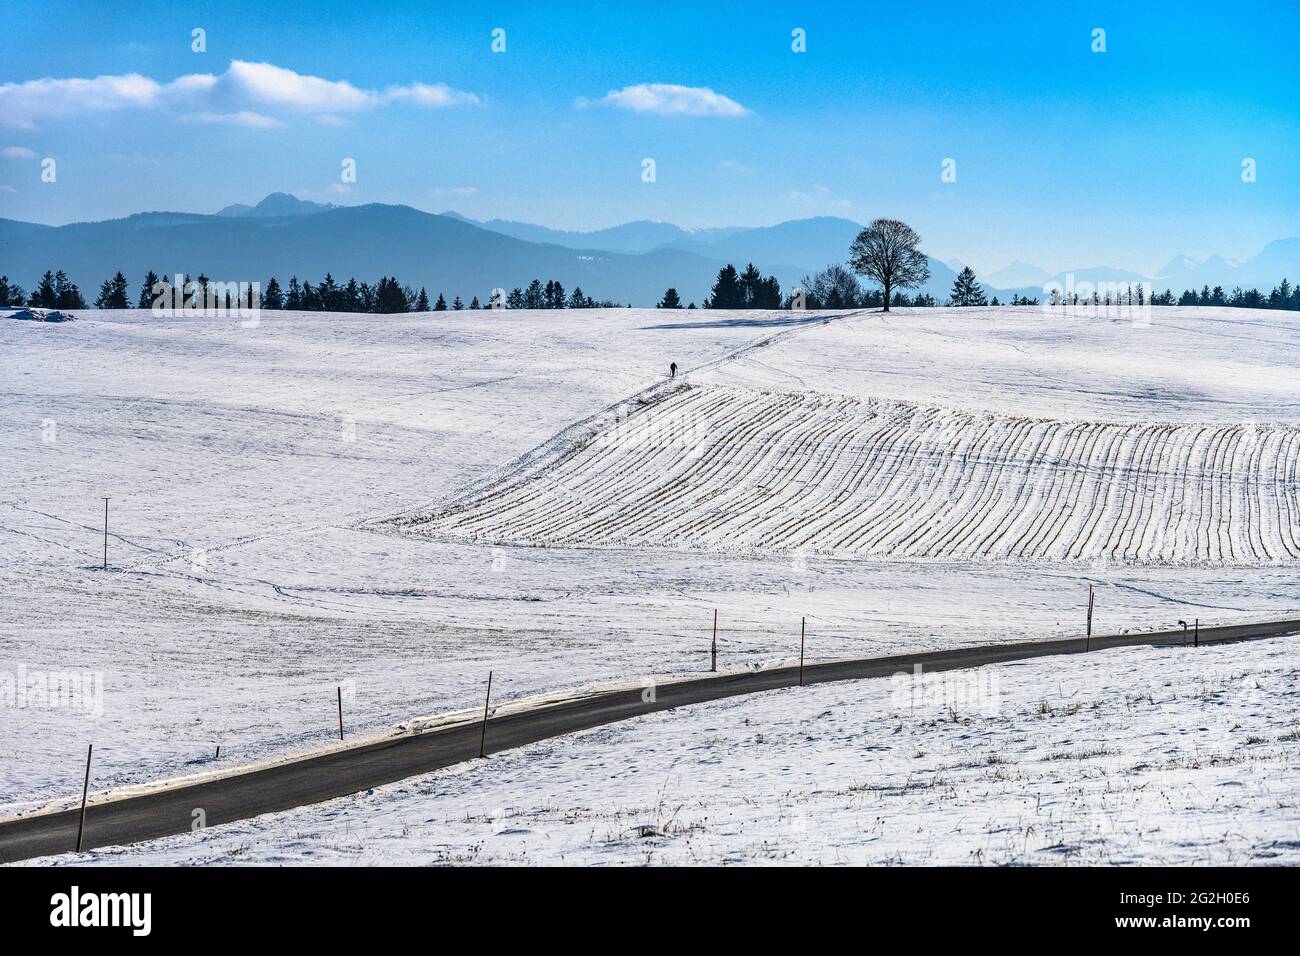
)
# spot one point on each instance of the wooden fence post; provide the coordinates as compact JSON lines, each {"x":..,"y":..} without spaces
{"x":482,"y":741}
{"x":85,"y":789}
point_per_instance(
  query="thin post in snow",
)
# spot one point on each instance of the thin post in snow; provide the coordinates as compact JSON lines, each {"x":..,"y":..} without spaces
{"x":482,"y":740}
{"x":218,"y":756}
{"x":1087,"y":645}
{"x":713,"y":668}
{"x":1196,"y":633}
{"x":340,"y":689}
{"x":105,"y":534}
{"x":803,"y":626}
{"x":85,"y":789}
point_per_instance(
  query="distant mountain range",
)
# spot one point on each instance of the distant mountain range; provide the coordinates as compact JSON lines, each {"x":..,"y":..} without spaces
{"x":799,"y":244}
{"x":277,"y":204}
{"x":1278,"y":260}
{"x":457,"y":256}
{"x":1019,"y":274}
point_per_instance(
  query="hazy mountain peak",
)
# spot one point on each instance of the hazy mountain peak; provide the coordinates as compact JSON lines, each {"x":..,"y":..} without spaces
{"x":1290,"y":244}
{"x":1018,"y":274}
{"x":276,"y":204}
{"x":1220,"y":262}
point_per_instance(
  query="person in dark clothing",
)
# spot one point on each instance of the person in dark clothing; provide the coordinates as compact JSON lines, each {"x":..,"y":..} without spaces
{"x":672,"y":370}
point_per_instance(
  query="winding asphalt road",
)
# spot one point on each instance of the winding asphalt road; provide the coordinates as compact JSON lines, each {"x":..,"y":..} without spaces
{"x":241,"y":795}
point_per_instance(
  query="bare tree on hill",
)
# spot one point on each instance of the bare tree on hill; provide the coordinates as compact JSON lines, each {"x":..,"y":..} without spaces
{"x":886,"y":251}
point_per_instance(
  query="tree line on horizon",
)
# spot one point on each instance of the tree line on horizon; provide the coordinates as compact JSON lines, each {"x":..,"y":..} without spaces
{"x":387,"y":295}
{"x":833,"y":288}
{"x":885,"y":252}
{"x":966,"y":291}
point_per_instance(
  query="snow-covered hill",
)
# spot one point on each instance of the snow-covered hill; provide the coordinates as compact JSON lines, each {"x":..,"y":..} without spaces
{"x":726,"y":468}
{"x":251,"y":470}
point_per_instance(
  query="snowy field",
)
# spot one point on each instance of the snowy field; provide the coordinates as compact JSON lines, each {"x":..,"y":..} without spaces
{"x":1139,"y":756}
{"x":730,"y":468}
{"x":274,"y":492}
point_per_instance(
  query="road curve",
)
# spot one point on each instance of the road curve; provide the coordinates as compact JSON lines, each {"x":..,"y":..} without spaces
{"x":319,"y":777}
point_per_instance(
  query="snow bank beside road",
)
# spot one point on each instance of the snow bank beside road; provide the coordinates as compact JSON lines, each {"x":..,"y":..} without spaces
{"x":1135,"y":756}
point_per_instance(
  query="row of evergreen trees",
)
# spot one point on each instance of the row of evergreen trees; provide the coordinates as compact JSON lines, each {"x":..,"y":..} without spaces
{"x":834,"y":287}
{"x":388,"y":295}
{"x":55,"y":291}
{"x":552,"y":296}
{"x":733,"y":290}
{"x":967,"y":291}
{"x":1283,"y":296}
{"x":744,"y":290}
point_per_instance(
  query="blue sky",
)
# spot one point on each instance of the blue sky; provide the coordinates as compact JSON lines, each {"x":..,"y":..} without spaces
{"x":1064,"y":157}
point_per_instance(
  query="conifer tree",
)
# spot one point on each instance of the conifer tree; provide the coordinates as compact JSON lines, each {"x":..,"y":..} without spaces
{"x":146,"y":291}
{"x":328,"y":292}
{"x":113,"y":293}
{"x":66,"y":293}
{"x":966,"y":291}
{"x":670,"y":300}
{"x":272,"y":297}
{"x":350,"y":297}
{"x":726,"y":293}
{"x":391,"y":296}
{"x":11,"y":293}
{"x":311,"y":301}
{"x":751,"y":283}
{"x":44,"y":296}
{"x":534,"y":295}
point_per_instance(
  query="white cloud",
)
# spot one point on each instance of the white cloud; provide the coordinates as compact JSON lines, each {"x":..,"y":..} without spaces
{"x":454,"y":192}
{"x":268,"y":85}
{"x":21,"y":104}
{"x":435,"y":95}
{"x":242,"y":118}
{"x":244,"y":94}
{"x":669,"y":99}
{"x":18,"y":152}
{"x":192,"y":85}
